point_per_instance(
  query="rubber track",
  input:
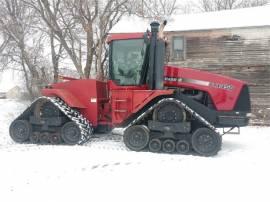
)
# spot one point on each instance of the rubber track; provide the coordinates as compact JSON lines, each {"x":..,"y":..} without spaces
{"x":187,"y":108}
{"x":84,"y":125}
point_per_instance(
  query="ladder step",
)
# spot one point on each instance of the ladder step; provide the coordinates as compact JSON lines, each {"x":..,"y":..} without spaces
{"x":121,"y":110}
{"x":125,"y":100}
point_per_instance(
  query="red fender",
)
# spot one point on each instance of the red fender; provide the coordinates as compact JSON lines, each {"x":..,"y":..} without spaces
{"x":70,"y":99}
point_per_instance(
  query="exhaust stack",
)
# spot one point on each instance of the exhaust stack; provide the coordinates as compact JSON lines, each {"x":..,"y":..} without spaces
{"x":156,"y":59}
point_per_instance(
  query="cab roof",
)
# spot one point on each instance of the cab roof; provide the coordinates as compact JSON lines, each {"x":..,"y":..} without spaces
{"x":124,"y":36}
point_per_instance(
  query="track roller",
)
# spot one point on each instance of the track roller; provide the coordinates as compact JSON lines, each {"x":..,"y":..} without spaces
{"x":168,"y":146}
{"x":55,"y":138}
{"x":206,"y":142}
{"x":136,"y":137}
{"x":20,"y":130}
{"x":182,"y":147}
{"x":35,"y":137}
{"x":155,"y":145}
{"x":44,"y":138}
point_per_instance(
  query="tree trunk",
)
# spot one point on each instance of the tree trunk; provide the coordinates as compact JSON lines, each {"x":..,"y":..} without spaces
{"x":99,"y":54}
{"x":27,"y":81}
{"x":89,"y":56}
{"x":55,"y":59}
{"x":99,"y":63}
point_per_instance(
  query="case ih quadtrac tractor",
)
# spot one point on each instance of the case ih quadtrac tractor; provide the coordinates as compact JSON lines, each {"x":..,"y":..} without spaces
{"x":160,"y":108}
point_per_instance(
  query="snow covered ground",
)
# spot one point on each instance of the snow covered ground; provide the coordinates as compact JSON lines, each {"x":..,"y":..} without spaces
{"x":104,"y":170}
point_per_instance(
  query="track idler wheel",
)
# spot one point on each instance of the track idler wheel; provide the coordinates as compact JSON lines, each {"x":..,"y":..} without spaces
{"x":136,"y":137}
{"x":182,"y":147}
{"x":155,"y":145}
{"x":206,"y":142}
{"x":71,"y":133}
{"x":20,"y":131}
{"x":168,"y":146}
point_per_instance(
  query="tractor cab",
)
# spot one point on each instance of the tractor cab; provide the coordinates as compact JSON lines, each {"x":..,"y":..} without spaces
{"x":136,"y":71}
{"x":126,"y":61}
{"x":137,"y":59}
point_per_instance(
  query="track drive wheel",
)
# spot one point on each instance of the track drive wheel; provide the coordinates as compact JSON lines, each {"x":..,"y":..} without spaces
{"x":168,"y":146}
{"x":155,"y":145}
{"x":169,"y":112}
{"x":20,"y":130}
{"x":136,"y":137}
{"x":71,"y":133}
{"x":206,"y":142}
{"x":44,"y":108}
{"x":182,"y":147}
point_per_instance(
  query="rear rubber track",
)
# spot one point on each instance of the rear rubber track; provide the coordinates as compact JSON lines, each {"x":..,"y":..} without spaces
{"x":73,"y":115}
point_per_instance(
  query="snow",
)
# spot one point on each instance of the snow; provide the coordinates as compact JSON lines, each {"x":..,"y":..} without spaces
{"x":10,"y":78}
{"x":245,"y":17}
{"x":104,"y":170}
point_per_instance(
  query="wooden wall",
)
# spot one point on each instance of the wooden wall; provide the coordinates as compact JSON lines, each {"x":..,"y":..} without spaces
{"x":243,"y":53}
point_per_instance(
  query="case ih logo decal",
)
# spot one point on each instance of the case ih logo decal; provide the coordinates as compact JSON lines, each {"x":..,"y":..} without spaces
{"x":200,"y":82}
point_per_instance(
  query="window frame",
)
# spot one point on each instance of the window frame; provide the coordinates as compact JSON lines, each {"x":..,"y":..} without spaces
{"x":174,"y":58}
{"x":111,"y":67}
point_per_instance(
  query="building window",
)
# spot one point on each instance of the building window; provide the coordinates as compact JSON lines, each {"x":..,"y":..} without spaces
{"x":178,"y":48}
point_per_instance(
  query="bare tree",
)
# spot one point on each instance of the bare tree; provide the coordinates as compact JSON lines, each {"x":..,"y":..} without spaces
{"x":217,"y":5}
{"x":96,"y":18}
{"x":253,"y":3}
{"x":154,"y":9}
{"x":4,"y":44}
{"x":56,"y":54}
{"x":61,"y":24}
{"x":81,"y":28}
{"x":23,"y":46}
{"x":74,"y":28}
{"x":108,"y":16}
{"x":56,"y":47}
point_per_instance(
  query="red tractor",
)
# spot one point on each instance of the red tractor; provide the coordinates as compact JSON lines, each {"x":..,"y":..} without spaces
{"x":160,"y":108}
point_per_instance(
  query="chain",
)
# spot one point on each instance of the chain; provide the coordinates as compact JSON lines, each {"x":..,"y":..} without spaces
{"x":187,"y":108}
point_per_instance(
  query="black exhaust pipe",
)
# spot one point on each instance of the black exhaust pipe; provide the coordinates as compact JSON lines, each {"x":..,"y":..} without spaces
{"x":156,"y":59}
